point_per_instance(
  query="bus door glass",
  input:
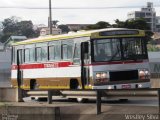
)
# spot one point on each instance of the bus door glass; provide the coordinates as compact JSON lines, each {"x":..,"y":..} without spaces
{"x":85,"y":64}
{"x":19,"y":70}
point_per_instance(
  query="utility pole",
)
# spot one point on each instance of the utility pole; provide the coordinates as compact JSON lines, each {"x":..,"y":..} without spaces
{"x":50,"y":16}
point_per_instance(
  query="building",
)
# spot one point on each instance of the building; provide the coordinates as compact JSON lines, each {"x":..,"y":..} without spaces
{"x":46,"y":31}
{"x":149,"y":14}
{"x":76,"y":27}
{"x":158,"y":23}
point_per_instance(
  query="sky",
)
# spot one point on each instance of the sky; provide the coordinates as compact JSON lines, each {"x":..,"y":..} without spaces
{"x":72,"y":16}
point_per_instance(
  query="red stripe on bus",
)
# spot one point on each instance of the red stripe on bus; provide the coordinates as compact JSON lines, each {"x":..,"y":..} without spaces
{"x":67,"y":64}
{"x":42,"y":65}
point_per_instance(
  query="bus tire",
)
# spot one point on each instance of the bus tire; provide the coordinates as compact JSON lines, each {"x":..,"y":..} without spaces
{"x":33,"y":84}
{"x":74,"y":84}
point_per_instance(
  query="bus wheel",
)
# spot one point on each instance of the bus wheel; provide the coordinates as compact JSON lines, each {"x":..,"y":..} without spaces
{"x":33,"y":84}
{"x":74,"y":84}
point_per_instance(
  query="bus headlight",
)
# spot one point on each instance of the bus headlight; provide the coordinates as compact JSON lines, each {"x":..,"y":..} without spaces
{"x":102,"y":76}
{"x":144,"y":74}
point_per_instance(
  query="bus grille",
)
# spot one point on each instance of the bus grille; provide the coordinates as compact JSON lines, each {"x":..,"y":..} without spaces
{"x":124,"y":75}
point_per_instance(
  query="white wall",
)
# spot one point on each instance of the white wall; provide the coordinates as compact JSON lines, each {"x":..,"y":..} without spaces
{"x":5,"y":67}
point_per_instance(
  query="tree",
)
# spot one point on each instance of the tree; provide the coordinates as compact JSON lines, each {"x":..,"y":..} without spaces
{"x":99,"y":25}
{"x":12,"y":26}
{"x":26,"y":28}
{"x":64,"y":28}
{"x":118,"y":24}
{"x":139,"y":23}
{"x":54,"y":23}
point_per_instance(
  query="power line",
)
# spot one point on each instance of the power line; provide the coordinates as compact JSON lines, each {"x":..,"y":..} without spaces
{"x":116,"y":7}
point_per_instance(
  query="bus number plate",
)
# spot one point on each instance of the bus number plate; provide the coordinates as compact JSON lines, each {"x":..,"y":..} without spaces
{"x":126,"y":86}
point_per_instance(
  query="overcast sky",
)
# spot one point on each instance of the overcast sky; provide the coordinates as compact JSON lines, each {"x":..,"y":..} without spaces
{"x":66,"y":16}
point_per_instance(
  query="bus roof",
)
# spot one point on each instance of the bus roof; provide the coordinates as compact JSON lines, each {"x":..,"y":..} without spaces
{"x":66,"y":36}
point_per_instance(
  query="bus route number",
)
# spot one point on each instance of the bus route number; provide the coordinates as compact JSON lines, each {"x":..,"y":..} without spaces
{"x":51,"y":65}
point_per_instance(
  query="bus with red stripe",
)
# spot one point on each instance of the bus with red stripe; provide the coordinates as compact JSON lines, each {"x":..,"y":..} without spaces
{"x":113,"y":58}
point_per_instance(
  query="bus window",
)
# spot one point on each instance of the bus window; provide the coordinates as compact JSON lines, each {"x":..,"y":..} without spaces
{"x":29,"y":55}
{"x":51,"y":50}
{"x":54,"y":50}
{"x":64,"y":52}
{"x":38,"y":54}
{"x":44,"y":54}
{"x":41,"y":52}
{"x":67,"y":49}
{"x":110,"y":49}
{"x":32,"y":55}
{"x":26,"y":55}
{"x":57,"y":52}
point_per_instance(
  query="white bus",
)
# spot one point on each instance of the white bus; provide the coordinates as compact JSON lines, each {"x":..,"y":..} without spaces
{"x":114,"y":58}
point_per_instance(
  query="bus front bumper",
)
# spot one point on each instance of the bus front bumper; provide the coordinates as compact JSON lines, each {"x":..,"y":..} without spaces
{"x":124,"y":86}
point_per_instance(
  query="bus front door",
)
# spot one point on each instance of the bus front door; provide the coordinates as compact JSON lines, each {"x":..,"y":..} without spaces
{"x":19,"y":71}
{"x":85,"y":64}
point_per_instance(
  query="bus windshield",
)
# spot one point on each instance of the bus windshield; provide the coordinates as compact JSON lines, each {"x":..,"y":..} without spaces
{"x":117,"y":49}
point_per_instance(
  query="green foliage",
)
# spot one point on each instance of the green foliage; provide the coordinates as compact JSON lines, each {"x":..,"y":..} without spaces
{"x":152,"y":48}
{"x":139,"y":23}
{"x":54,"y":23}
{"x":64,"y":28}
{"x":99,"y":25}
{"x":12,"y":26}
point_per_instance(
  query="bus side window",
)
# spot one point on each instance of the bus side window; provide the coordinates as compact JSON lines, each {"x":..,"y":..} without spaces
{"x":54,"y":50}
{"x":77,"y":52}
{"x":64,"y":52}
{"x":38,"y":54}
{"x":26,"y":55}
{"x":51,"y":51}
{"x":29,"y":53}
{"x":44,"y":54}
{"x":32,"y":54}
{"x":41,"y":52}
{"x":67,"y":49}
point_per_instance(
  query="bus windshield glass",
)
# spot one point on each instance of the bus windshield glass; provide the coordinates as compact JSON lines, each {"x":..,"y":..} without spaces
{"x":117,"y":49}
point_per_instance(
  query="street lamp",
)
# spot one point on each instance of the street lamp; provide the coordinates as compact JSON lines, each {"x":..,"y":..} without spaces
{"x":50,"y":17}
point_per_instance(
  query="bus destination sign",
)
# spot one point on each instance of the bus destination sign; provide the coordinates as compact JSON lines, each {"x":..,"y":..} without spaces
{"x":119,"y":32}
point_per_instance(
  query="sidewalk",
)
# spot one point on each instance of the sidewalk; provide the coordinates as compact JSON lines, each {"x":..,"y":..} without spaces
{"x":44,"y":111}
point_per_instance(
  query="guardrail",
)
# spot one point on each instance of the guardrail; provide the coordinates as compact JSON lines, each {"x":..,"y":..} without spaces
{"x":99,"y":95}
